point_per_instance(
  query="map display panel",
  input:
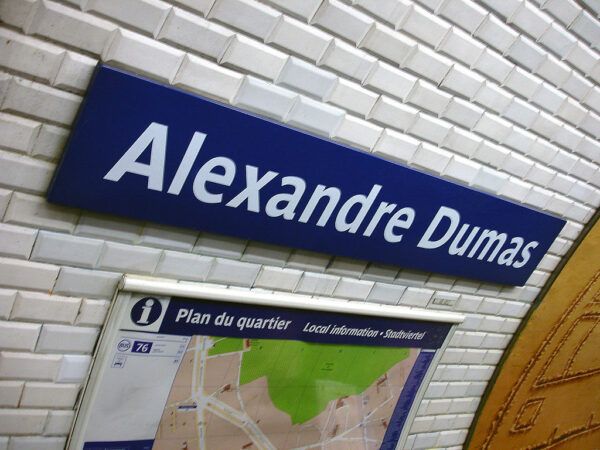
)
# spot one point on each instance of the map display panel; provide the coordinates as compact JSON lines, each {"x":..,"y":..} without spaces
{"x":182,"y":374}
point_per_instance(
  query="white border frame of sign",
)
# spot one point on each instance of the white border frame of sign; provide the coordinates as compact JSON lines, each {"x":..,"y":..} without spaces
{"x":131,"y":284}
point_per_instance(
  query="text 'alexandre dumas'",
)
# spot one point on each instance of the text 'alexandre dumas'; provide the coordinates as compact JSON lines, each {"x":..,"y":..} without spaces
{"x":319,"y":205}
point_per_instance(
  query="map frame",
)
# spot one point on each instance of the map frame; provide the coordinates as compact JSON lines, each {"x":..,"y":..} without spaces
{"x":140,"y":288}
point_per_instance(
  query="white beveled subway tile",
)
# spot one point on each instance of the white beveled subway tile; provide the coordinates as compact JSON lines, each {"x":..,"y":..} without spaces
{"x":414,"y":296}
{"x":278,"y":278}
{"x":42,"y":307}
{"x":317,"y":284}
{"x":10,"y":393}
{"x":493,"y":65}
{"x":467,"y":14}
{"x":39,"y":394}
{"x":493,"y":127}
{"x":585,"y":193}
{"x":264,"y":98}
{"x":16,"y":12}
{"x":422,"y":424}
{"x":69,"y":26}
{"x":25,"y":274}
{"x":522,"y":82}
{"x":491,"y":96}
{"x":348,"y":267}
{"x":567,"y":137}
{"x":128,"y":258}
{"x":183,"y":266}
{"x":304,"y":9}
{"x":91,"y":283}
{"x":166,"y":237}
{"x":515,"y":189}
{"x":426,"y":96}
{"x":7,"y":300}
{"x":583,"y":169}
{"x":246,"y":15}
{"x":50,"y":142}
{"x":428,"y":63}
{"x":73,"y":368}
{"x":577,"y":86}
{"x":461,"y":169}
{"x":18,"y":336}
{"x":592,"y":98}
{"x":66,"y":249}
{"x":75,"y":72}
{"x":252,"y":56}
{"x":430,"y":128}
{"x":520,"y":140}
{"x":22,"y":421}
{"x":389,"y":44}
{"x":462,"y":80}
{"x":538,"y":197}
{"x":194,"y":33}
{"x":201,"y":6}
{"x":520,"y":112}
{"x":579,"y":213}
{"x":563,"y":161}
{"x":28,"y":366}
{"x":314,"y":116}
{"x":357,"y":132}
{"x":589,"y":148}
{"x":353,"y":289}
{"x":586,"y":25}
{"x":423,"y":25}
{"x":396,"y":146}
{"x":18,"y":133}
{"x":557,"y":39}
{"x":40,"y":101}
{"x":352,"y":97}
{"x":548,"y":98}
{"x":24,"y":173}
{"x":92,"y":312}
{"x":517,"y":165}
{"x":350,"y":61}
{"x":101,"y":226}
{"x":461,"y":46}
{"x":16,"y":241}
{"x":146,"y":15}
{"x":37,"y":443}
{"x":390,"y":11}
{"x":58,"y":423}
{"x":395,"y":114}
{"x":583,"y":58}
{"x":298,"y":38}
{"x":554,"y":70}
{"x":65,"y":338}
{"x":219,"y":245}
{"x":590,"y":122}
{"x":526,"y":53}
{"x":142,"y":54}
{"x":462,"y":113}
{"x":495,"y":33}
{"x":490,"y":180}
{"x":530,"y":19}
{"x":28,"y":55}
{"x":308,"y":261}
{"x":343,"y":20}
{"x":386,"y":78}
{"x":233,"y":272}
{"x":386,"y":293}
{"x":306,"y":78}
{"x":505,"y":8}
{"x":559,"y":204}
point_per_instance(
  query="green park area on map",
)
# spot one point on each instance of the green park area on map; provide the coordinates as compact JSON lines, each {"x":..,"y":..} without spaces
{"x":303,"y":377}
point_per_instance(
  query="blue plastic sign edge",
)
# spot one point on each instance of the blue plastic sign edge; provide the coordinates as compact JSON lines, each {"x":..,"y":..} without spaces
{"x":121,"y":111}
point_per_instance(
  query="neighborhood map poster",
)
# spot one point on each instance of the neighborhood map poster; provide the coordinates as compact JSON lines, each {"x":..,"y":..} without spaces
{"x":183,"y":374}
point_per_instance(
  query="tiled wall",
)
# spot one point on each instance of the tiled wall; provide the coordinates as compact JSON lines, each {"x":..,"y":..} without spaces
{"x":500,"y":95}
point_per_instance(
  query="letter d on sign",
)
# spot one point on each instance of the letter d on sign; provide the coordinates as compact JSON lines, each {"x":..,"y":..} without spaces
{"x":442,"y":213}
